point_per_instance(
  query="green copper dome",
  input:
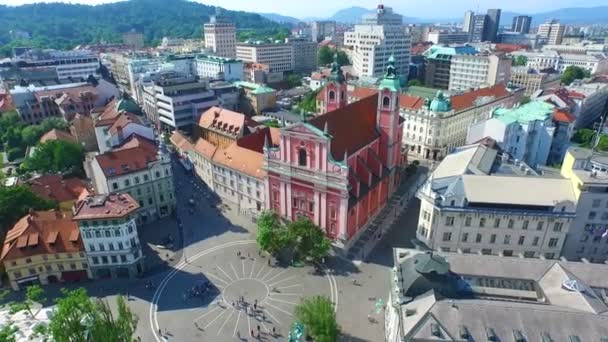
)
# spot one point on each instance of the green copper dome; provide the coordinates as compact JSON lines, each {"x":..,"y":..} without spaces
{"x":336,"y":74}
{"x":440,"y":103}
{"x":128,"y":106}
{"x":390,"y":79}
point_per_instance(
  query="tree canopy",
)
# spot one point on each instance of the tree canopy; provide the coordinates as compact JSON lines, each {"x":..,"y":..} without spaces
{"x":318,"y":316}
{"x":63,"y":26}
{"x":584,"y":137}
{"x":15,"y":137}
{"x":572,"y":73}
{"x":520,"y":61}
{"x":15,"y":202}
{"x":56,"y":156}
{"x":309,"y":102}
{"x":326,"y":56}
{"x":78,"y":318}
{"x":306,"y":241}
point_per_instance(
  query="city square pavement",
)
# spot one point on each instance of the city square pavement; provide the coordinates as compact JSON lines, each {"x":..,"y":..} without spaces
{"x":205,"y":250}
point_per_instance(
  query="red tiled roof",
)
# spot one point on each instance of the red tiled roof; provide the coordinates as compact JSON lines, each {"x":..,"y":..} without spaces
{"x":42,"y":232}
{"x":405,"y":101}
{"x":180,"y":141}
{"x":246,"y":154}
{"x":105,"y":206}
{"x":467,"y":100}
{"x":56,"y":134}
{"x":224,"y":120}
{"x":205,"y":148}
{"x":54,"y":187}
{"x":361,"y":92}
{"x":109,"y":115}
{"x":576,"y":95}
{"x":508,"y":48}
{"x":123,"y":120}
{"x":563,"y":116}
{"x":65,"y":94}
{"x":134,"y":155}
{"x":351,"y":127}
{"x":419,"y":48}
{"x":410,"y":102}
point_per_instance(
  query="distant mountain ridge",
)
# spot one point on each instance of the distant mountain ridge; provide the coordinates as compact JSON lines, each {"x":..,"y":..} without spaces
{"x":573,"y":15}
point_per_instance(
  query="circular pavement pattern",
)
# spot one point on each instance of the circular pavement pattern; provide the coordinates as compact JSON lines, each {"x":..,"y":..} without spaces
{"x":236,"y":271}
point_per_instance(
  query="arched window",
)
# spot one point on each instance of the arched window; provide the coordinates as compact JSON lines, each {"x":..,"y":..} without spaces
{"x":302,"y":157}
{"x":332,"y":95}
{"x":342,"y":95}
{"x":386,"y":102}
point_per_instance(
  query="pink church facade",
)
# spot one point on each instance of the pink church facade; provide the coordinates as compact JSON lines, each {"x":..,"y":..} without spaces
{"x":340,"y":168}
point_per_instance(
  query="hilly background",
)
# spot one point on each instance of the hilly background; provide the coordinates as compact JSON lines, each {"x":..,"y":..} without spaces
{"x":60,"y":25}
{"x":579,"y":15}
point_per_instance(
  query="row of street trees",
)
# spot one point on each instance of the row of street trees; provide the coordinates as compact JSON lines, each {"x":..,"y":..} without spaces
{"x":76,"y":318}
{"x":301,"y":238}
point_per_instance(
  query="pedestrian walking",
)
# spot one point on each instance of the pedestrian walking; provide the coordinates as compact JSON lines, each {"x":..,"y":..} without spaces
{"x":252,"y":334}
{"x":274,"y":331}
{"x":159,"y":332}
{"x":258,"y":328}
{"x":268,"y":262}
{"x":255,"y":306}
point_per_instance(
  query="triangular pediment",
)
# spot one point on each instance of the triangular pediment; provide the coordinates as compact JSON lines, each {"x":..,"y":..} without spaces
{"x":304,"y":128}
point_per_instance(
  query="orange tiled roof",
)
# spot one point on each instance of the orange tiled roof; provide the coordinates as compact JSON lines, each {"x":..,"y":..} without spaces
{"x":563,"y":116}
{"x":180,"y":141}
{"x":123,"y":120}
{"x":225,"y":121}
{"x":105,"y":206}
{"x":73,"y":94}
{"x":205,"y":148}
{"x":410,"y":102}
{"x":109,"y":115}
{"x":54,"y":187}
{"x":467,"y":100}
{"x":246,"y":154}
{"x":56,"y":134}
{"x":42,"y":232}
{"x":134,"y":155}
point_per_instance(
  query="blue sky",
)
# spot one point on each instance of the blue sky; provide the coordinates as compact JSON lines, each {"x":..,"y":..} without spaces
{"x":412,"y":8}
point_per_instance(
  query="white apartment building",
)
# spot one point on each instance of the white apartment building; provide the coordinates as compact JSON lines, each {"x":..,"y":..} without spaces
{"x":581,"y":48}
{"x":142,"y":170}
{"x":588,"y":172}
{"x":109,"y":233}
{"x":379,"y":36}
{"x":448,"y":37}
{"x":174,"y":101}
{"x":322,"y":29}
{"x":475,"y":71}
{"x":219,"y":68}
{"x":432,"y":130}
{"x":525,"y":132}
{"x":552,"y":30}
{"x":590,"y":99}
{"x":278,"y":56}
{"x":220,"y":36}
{"x":476,"y":201}
{"x":75,"y":64}
{"x":595,"y":64}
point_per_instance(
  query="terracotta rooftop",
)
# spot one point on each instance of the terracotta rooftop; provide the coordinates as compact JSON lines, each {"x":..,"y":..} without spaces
{"x":419,"y":48}
{"x":467,"y":100}
{"x":56,"y":134}
{"x":563,"y":116}
{"x":246,"y":154}
{"x":134,"y":155}
{"x":205,"y":148}
{"x":54,"y":187}
{"x":180,"y":141}
{"x":42,"y":232}
{"x":224,"y":121}
{"x":123,"y":120}
{"x":72,"y":94}
{"x":105,"y":206}
{"x":508,"y":48}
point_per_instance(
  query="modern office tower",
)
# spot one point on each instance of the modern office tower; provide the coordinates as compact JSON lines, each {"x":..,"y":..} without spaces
{"x":521,"y":24}
{"x":552,"y":30}
{"x":493,"y":22}
{"x":467,"y":24}
{"x":220,"y":36}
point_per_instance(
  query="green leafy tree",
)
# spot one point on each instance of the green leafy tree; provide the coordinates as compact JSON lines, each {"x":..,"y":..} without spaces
{"x":54,"y":122}
{"x":272,"y":123}
{"x":8,"y":333}
{"x":272,"y":236}
{"x":311,"y":242}
{"x":15,"y":201}
{"x":318,"y":316}
{"x":342,"y":58}
{"x":326,"y":55}
{"x":34,"y":295}
{"x":56,"y":156}
{"x":31,"y":134}
{"x":583,"y":136}
{"x":78,"y":318}
{"x":572,"y":73}
{"x":309,"y":102}
{"x":294,"y":81}
{"x":520,"y":61}
{"x":414,"y":83}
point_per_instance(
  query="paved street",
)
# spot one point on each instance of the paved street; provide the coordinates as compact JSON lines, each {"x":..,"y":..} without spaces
{"x":212,"y":239}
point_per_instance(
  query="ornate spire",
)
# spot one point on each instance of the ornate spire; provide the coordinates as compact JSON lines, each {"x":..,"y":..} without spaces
{"x":390,"y":79}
